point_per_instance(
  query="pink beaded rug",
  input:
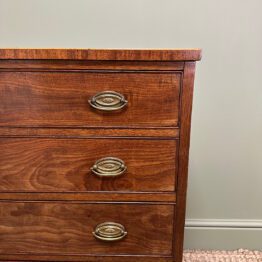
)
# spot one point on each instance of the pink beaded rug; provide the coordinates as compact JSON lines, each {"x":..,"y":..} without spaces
{"x":240,"y":255}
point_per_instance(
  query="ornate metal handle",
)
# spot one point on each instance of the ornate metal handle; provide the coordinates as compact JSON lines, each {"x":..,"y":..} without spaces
{"x":108,"y":101}
{"x":109,"y":167}
{"x":109,"y":231}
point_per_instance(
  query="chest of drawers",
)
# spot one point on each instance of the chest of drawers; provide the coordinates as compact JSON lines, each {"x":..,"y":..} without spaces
{"x":94,"y":153}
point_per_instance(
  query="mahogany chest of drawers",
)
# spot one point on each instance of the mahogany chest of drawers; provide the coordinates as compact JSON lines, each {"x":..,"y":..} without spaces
{"x":94,"y":153}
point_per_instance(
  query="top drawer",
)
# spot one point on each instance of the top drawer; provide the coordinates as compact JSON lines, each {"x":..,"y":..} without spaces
{"x":61,"y":98}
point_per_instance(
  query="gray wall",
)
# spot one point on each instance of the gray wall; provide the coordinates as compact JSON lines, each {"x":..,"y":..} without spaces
{"x":224,"y":199}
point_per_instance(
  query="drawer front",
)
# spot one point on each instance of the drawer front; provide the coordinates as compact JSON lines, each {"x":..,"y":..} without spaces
{"x":67,"y":228}
{"x":63,"y":165}
{"x":61,"y":99}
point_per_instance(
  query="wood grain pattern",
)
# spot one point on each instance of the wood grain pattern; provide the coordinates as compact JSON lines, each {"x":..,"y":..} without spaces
{"x":61,"y":99}
{"x":150,"y":133}
{"x":41,"y":257}
{"x":47,"y":65}
{"x":105,"y":196}
{"x":63,"y":165}
{"x":103,"y":54}
{"x":66,"y":228}
{"x":186,"y":108}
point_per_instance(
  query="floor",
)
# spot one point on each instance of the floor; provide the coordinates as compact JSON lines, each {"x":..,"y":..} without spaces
{"x":240,"y":255}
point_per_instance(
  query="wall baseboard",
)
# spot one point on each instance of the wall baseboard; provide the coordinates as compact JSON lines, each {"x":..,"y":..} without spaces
{"x":222,"y":234}
{"x":231,"y":223}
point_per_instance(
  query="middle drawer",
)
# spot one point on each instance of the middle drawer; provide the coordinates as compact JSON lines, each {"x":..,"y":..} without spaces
{"x":81,"y":165}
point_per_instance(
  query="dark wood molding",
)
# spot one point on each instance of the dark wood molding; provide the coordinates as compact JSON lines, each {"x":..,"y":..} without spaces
{"x":89,"y":132}
{"x":85,"y":258}
{"x":90,"y":196}
{"x":82,"y":65}
{"x":183,"y":156}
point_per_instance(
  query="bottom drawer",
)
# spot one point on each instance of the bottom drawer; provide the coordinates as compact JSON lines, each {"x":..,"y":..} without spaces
{"x":56,"y":228}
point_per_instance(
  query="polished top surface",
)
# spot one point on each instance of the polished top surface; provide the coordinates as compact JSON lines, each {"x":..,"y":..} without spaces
{"x":103,"y":54}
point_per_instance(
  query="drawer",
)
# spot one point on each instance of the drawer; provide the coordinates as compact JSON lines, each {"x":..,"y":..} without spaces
{"x":70,"y":228}
{"x":64,"y":165}
{"x":62,"y":99}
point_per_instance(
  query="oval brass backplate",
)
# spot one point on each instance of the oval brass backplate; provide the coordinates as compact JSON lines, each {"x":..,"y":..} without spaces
{"x":109,"y":231}
{"x":108,"y":101}
{"x":109,"y":167}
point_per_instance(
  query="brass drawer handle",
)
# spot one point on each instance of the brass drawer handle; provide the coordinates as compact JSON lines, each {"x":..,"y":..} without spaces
{"x":109,"y":167}
{"x":108,"y":101}
{"x":109,"y":231}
